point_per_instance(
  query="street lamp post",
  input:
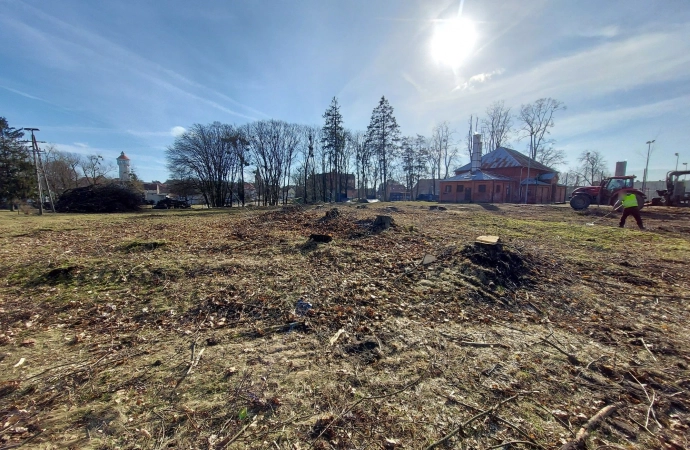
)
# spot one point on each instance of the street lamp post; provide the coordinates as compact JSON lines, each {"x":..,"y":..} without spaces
{"x":677,"y":162}
{"x":646,"y":167}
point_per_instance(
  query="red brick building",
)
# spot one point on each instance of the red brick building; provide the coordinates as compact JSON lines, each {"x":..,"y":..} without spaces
{"x":500,"y":176}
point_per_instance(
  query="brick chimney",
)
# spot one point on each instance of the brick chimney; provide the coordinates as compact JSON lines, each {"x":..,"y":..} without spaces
{"x":476,"y":152}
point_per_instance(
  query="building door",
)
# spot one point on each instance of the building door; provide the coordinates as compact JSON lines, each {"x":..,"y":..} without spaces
{"x":468,"y":194}
{"x":498,"y":193}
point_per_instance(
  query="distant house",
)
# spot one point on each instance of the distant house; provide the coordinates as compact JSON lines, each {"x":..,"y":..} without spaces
{"x":501,"y":176}
{"x":331,"y":186}
{"x":426,"y":189}
{"x":396,"y":191}
{"x":288,"y":192}
{"x":155,"y":191}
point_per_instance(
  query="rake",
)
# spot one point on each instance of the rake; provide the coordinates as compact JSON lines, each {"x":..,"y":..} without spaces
{"x":615,"y":208}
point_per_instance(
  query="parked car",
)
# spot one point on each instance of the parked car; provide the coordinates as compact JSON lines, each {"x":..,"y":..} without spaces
{"x":169,"y":203}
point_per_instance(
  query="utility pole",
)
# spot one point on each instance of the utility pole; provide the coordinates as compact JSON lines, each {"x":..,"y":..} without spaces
{"x":40,"y":169}
{"x":677,"y":156}
{"x":38,"y":177}
{"x":529,"y":164}
{"x":646,"y":167}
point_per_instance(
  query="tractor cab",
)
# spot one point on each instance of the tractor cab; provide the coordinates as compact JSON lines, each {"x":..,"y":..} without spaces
{"x":614,"y":184}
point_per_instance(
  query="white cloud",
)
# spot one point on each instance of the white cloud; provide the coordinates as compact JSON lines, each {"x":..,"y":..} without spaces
{"x":478,"y":79}
{"x":177,"y":131}
{"x":81,"y":144}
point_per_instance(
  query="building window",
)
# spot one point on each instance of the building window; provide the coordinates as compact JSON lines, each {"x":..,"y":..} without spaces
{"x":449,"y":188}
{"x":460,"y":188}
{"x":498,"y":188}
{"x":482,"y":188}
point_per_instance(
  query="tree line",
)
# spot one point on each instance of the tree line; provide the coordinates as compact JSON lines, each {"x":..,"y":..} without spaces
{"x":330,"y":162}
{"x":327,"y":162}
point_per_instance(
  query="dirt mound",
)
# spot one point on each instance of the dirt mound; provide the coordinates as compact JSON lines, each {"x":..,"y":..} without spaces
{"x":499,"y":266}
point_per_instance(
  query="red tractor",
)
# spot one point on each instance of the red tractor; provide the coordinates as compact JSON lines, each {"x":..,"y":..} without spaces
{"x":607,"y":193}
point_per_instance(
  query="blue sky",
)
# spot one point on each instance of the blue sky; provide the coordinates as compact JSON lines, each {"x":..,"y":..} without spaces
{"x":105,"y":77}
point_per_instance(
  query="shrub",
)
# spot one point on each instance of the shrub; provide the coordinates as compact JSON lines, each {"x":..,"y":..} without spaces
{"x":100,"y":198}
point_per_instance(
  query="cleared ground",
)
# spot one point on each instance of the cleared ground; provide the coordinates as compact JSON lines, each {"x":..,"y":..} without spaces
{"x":180,"y":329}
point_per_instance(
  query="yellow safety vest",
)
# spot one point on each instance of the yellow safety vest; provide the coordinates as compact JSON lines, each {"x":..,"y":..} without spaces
{"x":629,"y":201}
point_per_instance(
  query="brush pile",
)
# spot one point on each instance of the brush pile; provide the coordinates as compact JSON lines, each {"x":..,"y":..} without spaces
{"x":100,"y":198}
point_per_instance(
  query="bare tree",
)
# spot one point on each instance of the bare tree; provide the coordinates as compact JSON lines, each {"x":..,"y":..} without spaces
{"x":94,"y":168}
{"x":551,"y":157}
{"x":204,"y":155}
{"x":537,"y":120}
{"x":433,"y":163}
{"x":468,"y":138}
{"x":421,"y":150}
{"x":441,"y":147}
{"x":498,"y":123}
{"x":274,"y":145}
{"x":238,"y":141}
{"x":358,"y":147}
{"x":309,"y":141}
{"x":61,"y":169}
{"x":593,"y":167}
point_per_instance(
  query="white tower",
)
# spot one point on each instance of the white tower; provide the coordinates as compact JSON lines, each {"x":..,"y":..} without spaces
{"x":123,"y":165}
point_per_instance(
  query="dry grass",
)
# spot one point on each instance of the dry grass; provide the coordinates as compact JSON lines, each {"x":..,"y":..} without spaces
{"x":177,"y":329}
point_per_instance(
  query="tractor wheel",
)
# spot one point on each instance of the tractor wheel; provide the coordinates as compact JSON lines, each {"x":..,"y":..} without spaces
{"x":580,"y":202}
{"x":640,"y":201}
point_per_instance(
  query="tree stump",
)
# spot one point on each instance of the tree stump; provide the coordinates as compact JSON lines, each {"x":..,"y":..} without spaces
{"x":489,"y":245}
{"x":383,"y":223}
{"x":331,"y":214}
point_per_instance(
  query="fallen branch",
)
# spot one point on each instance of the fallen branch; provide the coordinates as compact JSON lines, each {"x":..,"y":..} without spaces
{"x":593,"y":423}
{"x":651,"y":403}
{"x":482,"y":344}
{"x":196,"y":361}
{"x":511,"y":443}
{"x":462,"y":426}
{"x":565,"y":425}
{"x":646,"y":347}
{"x":229,"y":440}
{"x":459,"y":341}
{"x":519,"y":430}
{"x":572,"y":359}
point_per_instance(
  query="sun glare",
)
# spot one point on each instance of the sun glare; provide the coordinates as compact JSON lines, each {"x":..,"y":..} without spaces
{"x":453,"y":41}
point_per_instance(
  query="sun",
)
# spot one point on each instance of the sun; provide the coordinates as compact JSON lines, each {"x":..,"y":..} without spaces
{"x":453,"y":41}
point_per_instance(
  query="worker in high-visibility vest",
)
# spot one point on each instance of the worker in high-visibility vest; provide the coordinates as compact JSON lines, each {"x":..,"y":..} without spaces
{"x":630,"y":208}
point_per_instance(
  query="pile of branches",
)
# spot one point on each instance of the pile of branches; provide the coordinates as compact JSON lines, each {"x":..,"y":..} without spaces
{"x":99,"y":198}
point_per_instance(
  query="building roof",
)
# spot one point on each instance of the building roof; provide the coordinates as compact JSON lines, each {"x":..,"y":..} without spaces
{"x":506,"y":157}
{"x":479,"y":175}
{"x":156,"y":186}
{"x":533,"y":181}
{"x":426,"y":186}
{"x":122,"y":156}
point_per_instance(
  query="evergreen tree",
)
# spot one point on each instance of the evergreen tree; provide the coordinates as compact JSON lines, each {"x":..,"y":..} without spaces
{"x":333,"y":142}
{"x":383,"y":134}
{"x":16,"y":168}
